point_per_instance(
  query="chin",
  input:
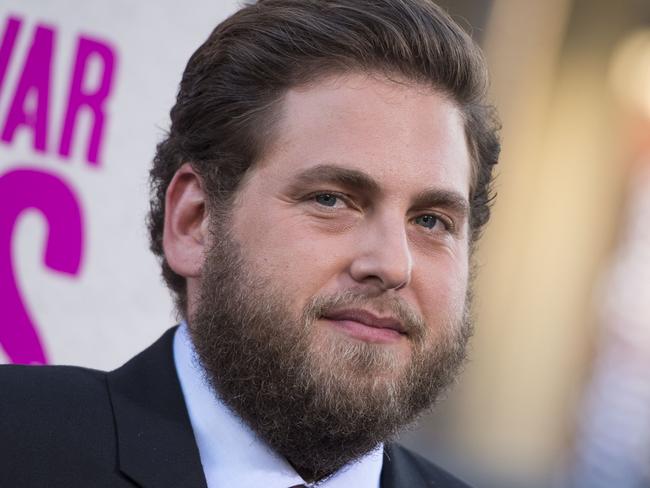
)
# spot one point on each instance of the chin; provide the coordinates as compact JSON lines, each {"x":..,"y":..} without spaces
{"x":335,"y":353}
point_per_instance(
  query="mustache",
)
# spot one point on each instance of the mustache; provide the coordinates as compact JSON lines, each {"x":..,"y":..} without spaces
{"x":412,"y":322}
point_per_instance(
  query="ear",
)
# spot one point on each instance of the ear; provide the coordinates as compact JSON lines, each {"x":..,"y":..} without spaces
{"x":185,"y":235}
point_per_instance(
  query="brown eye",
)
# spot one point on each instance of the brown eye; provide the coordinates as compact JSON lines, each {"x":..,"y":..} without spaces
{"x":326,"y":199}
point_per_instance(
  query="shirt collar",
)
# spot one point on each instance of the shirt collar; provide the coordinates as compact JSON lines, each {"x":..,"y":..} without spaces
{"x":231,"y":453}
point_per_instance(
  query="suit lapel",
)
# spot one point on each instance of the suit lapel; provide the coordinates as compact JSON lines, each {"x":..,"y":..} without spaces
{"x":404,"y":468}
{"x":156,"y":445}
{"x":396,"y":472}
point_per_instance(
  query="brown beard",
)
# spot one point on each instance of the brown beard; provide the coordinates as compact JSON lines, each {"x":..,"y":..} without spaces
{"x":320,"y":404}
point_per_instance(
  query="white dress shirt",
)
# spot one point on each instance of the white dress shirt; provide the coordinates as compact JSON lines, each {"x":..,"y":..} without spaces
{"x":234,"y":456}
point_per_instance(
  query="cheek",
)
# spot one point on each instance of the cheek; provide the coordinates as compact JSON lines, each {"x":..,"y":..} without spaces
{"x":290,"y":252}
{"x":442,"y":289}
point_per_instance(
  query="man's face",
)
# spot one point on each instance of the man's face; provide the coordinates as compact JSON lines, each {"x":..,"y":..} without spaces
{"x":335,"y":295}
{"x":358,"y":193}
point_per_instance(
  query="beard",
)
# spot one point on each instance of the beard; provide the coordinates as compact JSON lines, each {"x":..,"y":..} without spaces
{"x":319,"y":399}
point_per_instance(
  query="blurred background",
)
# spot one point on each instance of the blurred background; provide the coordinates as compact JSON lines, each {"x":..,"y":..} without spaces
{"x":557,"y":392}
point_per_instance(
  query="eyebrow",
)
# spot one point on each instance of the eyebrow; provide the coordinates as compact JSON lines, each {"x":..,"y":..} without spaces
{"x":450,"y":200}
{"x":360,"y":181}
{"x":330,"y":173}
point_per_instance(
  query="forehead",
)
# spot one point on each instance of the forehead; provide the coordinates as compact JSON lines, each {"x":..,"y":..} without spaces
{"x":406,"y":137}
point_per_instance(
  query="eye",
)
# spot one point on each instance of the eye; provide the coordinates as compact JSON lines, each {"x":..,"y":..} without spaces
{"x":326,"y":199}
{"x":430,"y":221}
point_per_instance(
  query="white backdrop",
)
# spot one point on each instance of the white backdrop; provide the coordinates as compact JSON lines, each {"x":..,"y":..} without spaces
{"x":112,"y":303}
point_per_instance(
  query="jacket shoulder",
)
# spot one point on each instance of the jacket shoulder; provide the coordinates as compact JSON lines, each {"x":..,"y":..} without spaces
{"x":53,"y":417}
{"x":403,"y":467}
{"x":44,"y":389}
{"x":18,"y":376}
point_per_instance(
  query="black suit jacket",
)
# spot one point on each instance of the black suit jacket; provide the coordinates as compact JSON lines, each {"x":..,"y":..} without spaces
{"x":67,"y":427}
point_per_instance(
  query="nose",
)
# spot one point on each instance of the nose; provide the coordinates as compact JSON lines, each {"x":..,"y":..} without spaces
{"x":383,"y":256}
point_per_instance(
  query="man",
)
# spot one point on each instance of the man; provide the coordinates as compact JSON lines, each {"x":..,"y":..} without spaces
{"x":315,"y":206}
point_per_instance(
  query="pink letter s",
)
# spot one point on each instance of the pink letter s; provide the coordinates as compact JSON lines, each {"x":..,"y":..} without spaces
{"x":20,"y":190}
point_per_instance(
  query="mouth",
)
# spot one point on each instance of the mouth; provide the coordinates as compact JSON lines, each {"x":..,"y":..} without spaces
{"x":366,"y":326}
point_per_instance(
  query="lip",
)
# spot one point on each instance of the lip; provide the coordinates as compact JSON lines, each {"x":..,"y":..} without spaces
{"x":367,"y":326}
